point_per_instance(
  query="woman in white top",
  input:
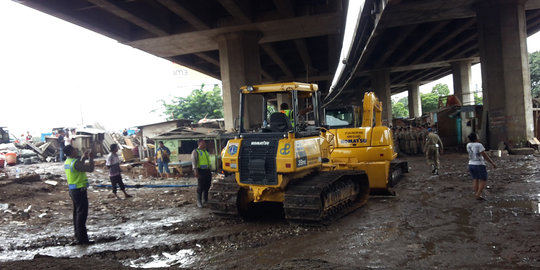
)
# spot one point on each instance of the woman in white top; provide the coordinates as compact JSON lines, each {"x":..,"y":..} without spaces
{"x":477,"y":165}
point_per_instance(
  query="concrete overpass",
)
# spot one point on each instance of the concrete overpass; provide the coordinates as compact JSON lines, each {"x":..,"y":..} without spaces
{"x":399,"y":45}
{"x":238,"y":41}
{"x":406,"y":43}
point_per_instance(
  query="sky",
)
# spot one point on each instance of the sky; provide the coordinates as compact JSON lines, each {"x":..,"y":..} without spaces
{"x":54,"y":73}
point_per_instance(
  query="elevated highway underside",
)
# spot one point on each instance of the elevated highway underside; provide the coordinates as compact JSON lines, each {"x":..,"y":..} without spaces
{"x":398,"y":45}
{"x":297,"y":40}
{"x":417,"y":41}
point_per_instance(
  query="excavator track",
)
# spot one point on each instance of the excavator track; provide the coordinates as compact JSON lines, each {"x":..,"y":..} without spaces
{"x":326,"y":196}
{"x":222,"y":197}
{"x":397,"y":169}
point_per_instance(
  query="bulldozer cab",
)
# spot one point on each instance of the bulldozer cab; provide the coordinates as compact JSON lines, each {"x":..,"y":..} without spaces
{"x":286,"y":108}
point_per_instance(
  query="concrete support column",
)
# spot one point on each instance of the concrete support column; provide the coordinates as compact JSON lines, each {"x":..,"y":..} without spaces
{"x":283,"y":98}
{"x":461,"y":72}
{"x":380,"y":82}
{"x":240,"y":65}
{"x":505,"y":71}
{"x":415,"y":104}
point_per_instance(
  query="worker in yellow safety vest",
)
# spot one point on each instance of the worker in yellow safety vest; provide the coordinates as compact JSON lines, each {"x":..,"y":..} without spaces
{"x":76,"y":169}
{"x":284,"y":108}
{"x":200,"y":161}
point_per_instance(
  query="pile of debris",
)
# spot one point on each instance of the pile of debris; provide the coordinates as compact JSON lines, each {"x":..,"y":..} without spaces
{"x":29,"y":152}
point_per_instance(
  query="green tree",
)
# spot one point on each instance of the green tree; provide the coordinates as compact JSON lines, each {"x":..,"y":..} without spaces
{"x":399,"y":109}
{"x":441,"y":89}
{"x":196,"y":106}
{"x":405,"y":101}
{"x":430,"y":101}
{"x":534,"y":65}
{"x":478,"y":100}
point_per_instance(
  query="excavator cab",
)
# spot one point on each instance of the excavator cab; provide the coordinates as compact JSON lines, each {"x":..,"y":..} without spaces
{"x":280,"y":159}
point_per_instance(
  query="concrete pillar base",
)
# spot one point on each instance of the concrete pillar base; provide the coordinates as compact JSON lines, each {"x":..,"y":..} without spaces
{"x":415,"y":104}
{"x":380,"y":82}
{"x":505,"y":71}
{"x":462,"y":76}
{"x":240,"y":65}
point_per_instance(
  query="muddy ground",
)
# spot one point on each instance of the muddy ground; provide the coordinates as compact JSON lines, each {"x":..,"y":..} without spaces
{"x":434,"y":222}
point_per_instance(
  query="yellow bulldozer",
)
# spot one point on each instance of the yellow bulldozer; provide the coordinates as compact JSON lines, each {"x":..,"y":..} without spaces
{"x":288,"y":160}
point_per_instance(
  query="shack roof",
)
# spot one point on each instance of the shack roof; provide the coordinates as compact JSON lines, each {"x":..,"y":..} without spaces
{"x":179,"y":122}
{"x":195,"y":132}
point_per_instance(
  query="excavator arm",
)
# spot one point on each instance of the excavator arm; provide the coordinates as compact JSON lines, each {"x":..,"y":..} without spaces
{"x":371,"y":105}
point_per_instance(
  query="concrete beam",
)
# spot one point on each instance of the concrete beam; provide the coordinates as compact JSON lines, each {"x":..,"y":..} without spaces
{"x":430,"y":65}
{"x":402,"y":35}
{"x":238,"y":12}
{"x":444,"y":41}
{"x":277,"y":59}
{"x":425,"y":37}
{"x":286,"y":9}
{"x":185,"y":14}
{"x":272,"y":31}
{"x":109,"y":7}
{"x":456,"y":46}
{"x":423,"y":11}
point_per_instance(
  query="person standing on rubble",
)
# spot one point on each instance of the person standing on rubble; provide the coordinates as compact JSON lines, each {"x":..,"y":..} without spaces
{"x":76,"y":169}
{"x":113,"y":163}
{"x":162,"y":154}
{"x":200,"y":162}
{"x":433,"y":147}
{"x":61,"y":144}
{"x":477,"y":165}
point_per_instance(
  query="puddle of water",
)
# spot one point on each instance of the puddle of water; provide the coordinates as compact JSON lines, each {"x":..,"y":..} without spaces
{"x":144,"y":231}
{"x":528,"y":205}
{"x":181,"y":258}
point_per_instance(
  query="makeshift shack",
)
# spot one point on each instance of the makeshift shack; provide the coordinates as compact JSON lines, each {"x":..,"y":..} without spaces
{"x":455,"y":123}
{"x":146,"y":132}
{"x":182,"y":141}
{"x":90,"y":138}
{"x":4,"y":135}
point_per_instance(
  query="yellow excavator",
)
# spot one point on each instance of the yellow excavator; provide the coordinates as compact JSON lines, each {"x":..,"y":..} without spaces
{"x":359,"y":141}
{"x":284,"y":161}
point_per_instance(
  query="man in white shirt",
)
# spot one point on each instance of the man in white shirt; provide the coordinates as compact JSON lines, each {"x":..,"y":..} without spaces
{"x":115,"y":175}
{"x":477,"y":165}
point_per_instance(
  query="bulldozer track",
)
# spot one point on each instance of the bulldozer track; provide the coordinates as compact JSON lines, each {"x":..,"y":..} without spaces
{"x":326,"y":196}
{"x":222,"y":197}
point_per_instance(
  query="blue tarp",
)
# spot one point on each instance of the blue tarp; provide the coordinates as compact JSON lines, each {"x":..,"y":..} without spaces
{"x":43,"y":135}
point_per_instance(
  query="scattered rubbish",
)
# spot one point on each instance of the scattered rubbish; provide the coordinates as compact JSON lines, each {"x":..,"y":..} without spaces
{"x":4,"y":206}
{"x":147,"y":186}
{"x":29,"y":178}
{"x":28,"y":209}
{"x":51,"y":182}
{"x":42,"y":215}
{"x":17,"y":173}
{"x":11,"y":159}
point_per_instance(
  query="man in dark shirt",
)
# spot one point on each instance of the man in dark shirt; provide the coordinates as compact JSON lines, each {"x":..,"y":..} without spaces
{"x":61,"y":144}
